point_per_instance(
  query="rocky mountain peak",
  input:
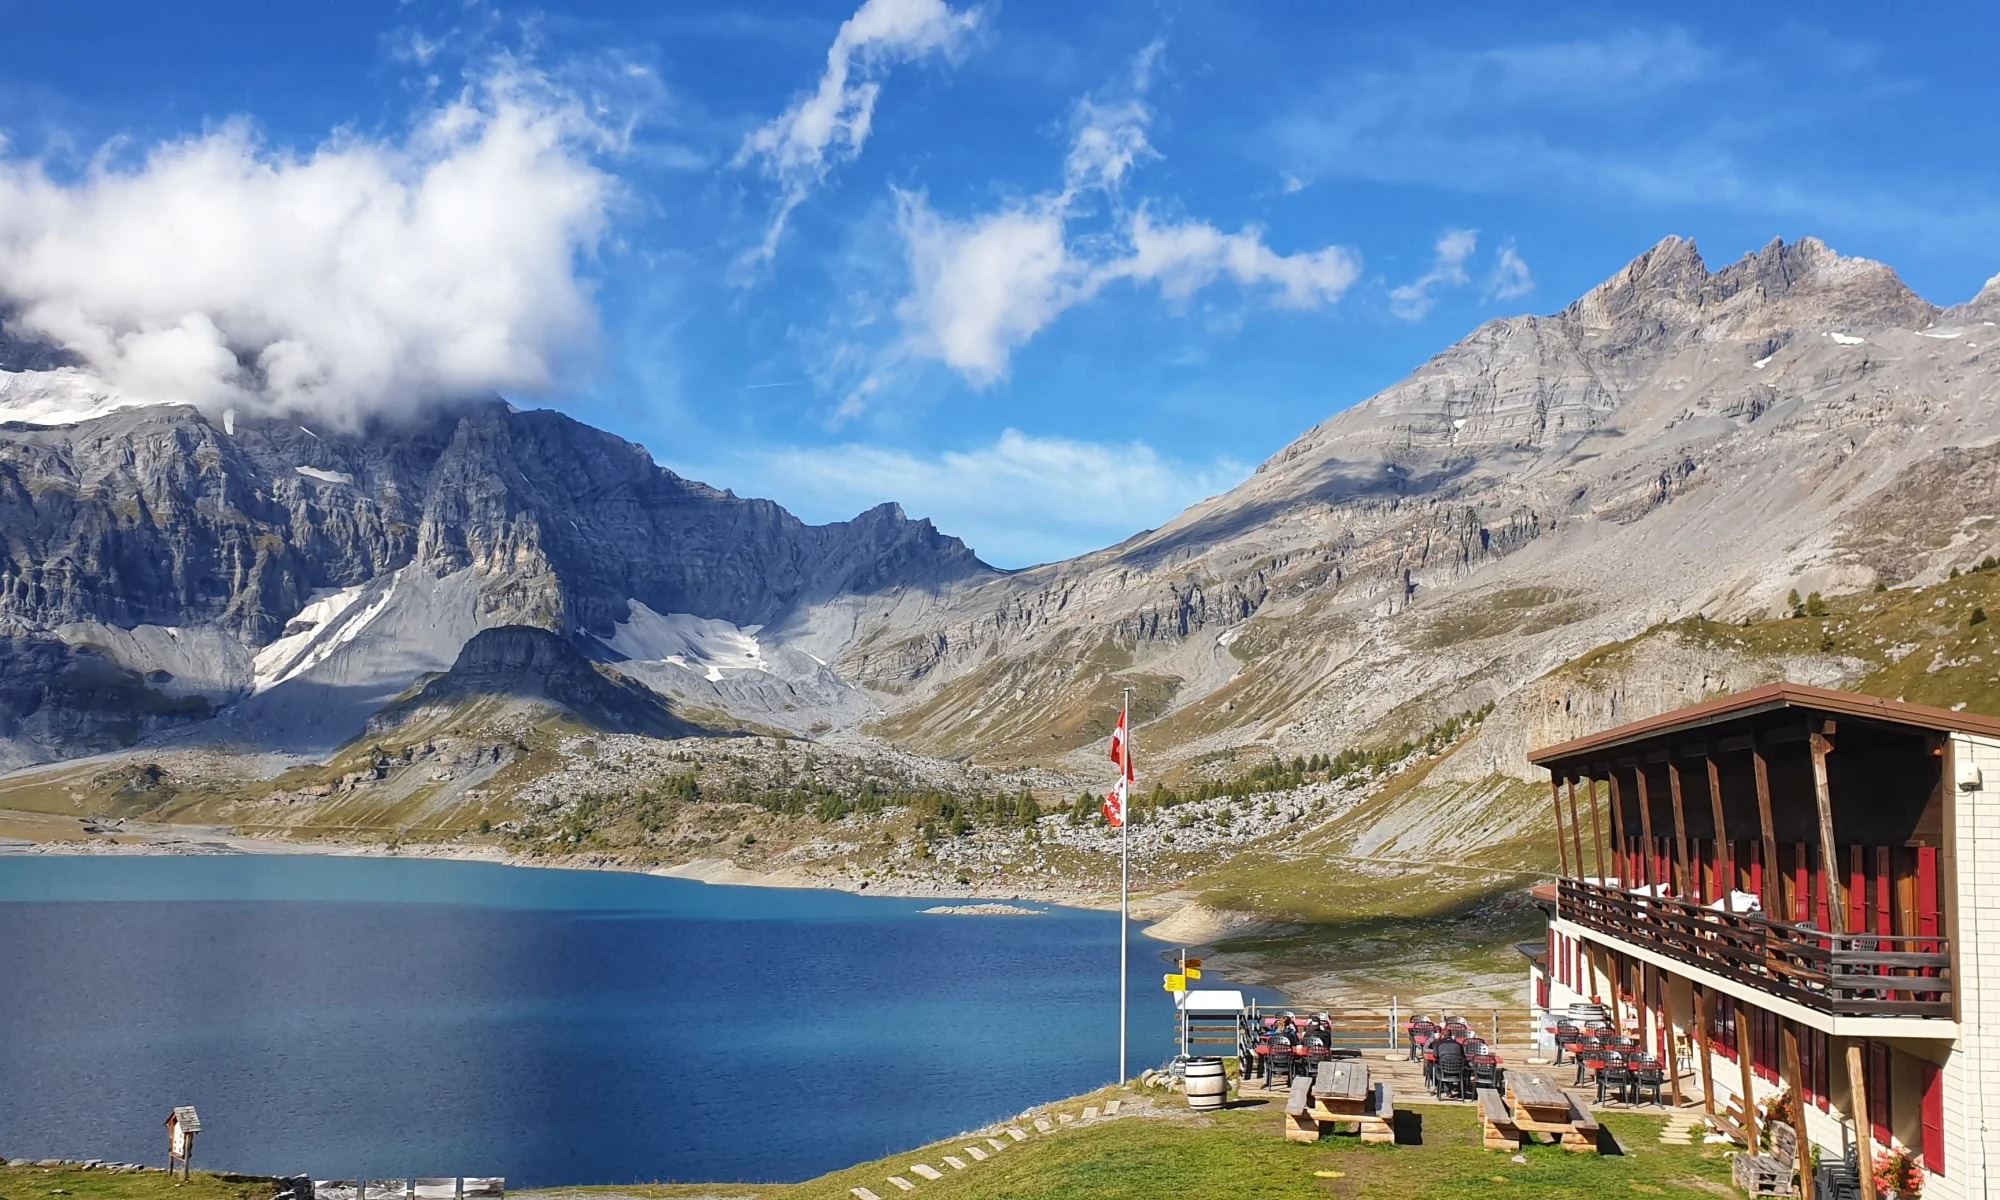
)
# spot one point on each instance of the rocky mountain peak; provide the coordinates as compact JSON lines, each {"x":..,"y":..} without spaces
{"x":1984,"y":306}
{"x":1669,"y":291}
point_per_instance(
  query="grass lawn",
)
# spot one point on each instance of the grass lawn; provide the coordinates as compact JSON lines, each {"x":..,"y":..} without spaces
{"x":1166,"y":1152}
{"x":39,"y":1183}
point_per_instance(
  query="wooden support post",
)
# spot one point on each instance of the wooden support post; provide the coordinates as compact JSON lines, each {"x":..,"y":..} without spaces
{"x":1597,"y":832}
{"x":1687,"y":880}
{"x":1745,"y":1053}
{"x":1864,"y":1129}
{"x":1664,"y":988}
{"x":1775,"y":895}
{"x":1645,"y":826}
{"x":1556,"y":796}
{"x":1725,"y":851}
{"x":1618,"y":828}
{"x":1702,"y":1015}
{"x":1829,"y":856}
{"x":1795,"y":1079}
{"x":1575,"y":827}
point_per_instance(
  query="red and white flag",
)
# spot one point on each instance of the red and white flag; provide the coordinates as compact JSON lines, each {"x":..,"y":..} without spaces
{"x":1120,"y":753}
{"x":1114,"y":805}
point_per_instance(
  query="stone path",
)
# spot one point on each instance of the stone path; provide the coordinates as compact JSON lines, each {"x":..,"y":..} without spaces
{"x":928,"y":1173}
{"x":1678,"y":1130}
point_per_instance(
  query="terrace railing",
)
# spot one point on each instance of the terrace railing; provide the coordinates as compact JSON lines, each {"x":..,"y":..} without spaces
{"x":1845,"y":975}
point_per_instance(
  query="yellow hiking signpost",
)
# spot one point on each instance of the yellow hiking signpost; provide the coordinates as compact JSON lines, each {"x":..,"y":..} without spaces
{"x":1174,"y":983}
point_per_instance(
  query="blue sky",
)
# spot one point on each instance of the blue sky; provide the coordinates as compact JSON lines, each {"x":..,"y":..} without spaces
{"x":1044,"y":272}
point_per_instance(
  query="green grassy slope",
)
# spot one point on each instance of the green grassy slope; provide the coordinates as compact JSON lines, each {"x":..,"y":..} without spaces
{"x":1172,"y":1153}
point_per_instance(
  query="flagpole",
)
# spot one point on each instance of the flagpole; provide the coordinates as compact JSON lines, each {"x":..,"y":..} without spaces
{"x":1124,"y":879}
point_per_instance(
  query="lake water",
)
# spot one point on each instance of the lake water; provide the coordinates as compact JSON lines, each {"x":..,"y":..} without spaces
{"x":355,"y":1017}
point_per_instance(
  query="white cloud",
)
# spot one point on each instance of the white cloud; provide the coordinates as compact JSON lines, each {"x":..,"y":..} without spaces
{"x":1184,"y":257}
{"x":1018,"y":500}
{"x":830,"y":124}
{"x":1414,"y":300}
{"x":1510,"y":276}
{"x":359,"y":276}
{"x":979,"y":288}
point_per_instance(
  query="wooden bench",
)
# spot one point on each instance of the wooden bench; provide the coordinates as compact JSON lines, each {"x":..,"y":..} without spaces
{"x":1496,"y":1124}
{"x":1769,"y":1174}
{"x":1582,"y":1137}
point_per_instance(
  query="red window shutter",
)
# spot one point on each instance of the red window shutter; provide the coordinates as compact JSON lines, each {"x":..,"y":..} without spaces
{"x":1857,"y":892}
{"x":1885,"y":904}
{"x":1933,"y":1106}
{"x":1823,"y":1075}
{"x":1801,"y":884}
{"x":1878,"y":1091}
{"x":1927,"y":895}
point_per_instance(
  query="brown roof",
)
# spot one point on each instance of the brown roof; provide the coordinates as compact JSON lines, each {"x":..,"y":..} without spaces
{"x":1769,"y":698}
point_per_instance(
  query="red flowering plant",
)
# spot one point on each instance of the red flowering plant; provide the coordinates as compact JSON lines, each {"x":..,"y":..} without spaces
{"x":1777,"y":1111}
{"x":1897,"y":1174}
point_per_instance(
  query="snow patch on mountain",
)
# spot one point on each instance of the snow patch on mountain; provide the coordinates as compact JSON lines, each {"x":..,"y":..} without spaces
{"x":325,"y":476}
{"x":699,"y":644}
{"x":64,"y":396}
{"x":315,"y":634}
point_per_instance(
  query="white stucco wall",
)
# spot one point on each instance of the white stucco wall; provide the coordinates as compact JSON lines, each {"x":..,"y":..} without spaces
{"x":1972,"y":1097}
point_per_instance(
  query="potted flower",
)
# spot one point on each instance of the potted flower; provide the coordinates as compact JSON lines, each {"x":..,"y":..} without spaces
{"x":1897,"y":1174}
{"x":1776,"y":1111}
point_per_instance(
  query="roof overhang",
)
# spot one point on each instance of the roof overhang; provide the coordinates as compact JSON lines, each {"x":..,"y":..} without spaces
{"x":1769,"y":698}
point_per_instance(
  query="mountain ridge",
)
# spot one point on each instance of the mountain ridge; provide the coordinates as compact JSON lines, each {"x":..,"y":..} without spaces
{"x":1717,"y":433}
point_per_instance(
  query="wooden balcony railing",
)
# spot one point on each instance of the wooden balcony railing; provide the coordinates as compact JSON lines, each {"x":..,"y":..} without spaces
{"x":1845,"y":975}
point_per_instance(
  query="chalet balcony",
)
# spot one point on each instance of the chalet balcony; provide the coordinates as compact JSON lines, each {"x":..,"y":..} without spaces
{"x":1839,"y":975}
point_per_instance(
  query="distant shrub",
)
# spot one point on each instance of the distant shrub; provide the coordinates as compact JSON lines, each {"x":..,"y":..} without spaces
{"x":486,"y":827}
{"x":1880,"y":586}
{"x":1793,"y":602}
{"x":1988,"y":563}
{"x":1978,"y":617}
{"x":1815,"y":606}
{"x":1954,"y":573}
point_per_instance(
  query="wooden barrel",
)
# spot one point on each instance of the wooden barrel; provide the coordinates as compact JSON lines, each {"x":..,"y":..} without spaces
{"x":1206,"y":1084}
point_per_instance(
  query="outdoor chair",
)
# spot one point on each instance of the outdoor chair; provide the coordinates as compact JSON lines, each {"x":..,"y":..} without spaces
{"x":1839,"y":1179}
{"x":1615,"y":1077}
{"x":1316,"y":1053}
{"x":1567,"y":1034}
{"x":1450,"y":1076}
{"x":1647,"y":1074}
{"x":1421,"y":1033}
{"x":1485,"y":1075}
{"x":1584,"y":1048}
{"x":1278,"y":1067}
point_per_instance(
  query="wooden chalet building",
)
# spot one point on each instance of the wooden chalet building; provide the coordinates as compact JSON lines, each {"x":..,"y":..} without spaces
{"x":1793,"y":889}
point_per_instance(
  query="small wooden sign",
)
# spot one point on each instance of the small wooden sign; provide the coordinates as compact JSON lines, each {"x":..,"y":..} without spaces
{"x":182,"y":1124}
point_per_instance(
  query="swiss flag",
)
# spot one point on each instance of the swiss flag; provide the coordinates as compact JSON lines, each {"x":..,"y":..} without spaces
{"x":1114,"y":805}
{"x":1120,"y":753}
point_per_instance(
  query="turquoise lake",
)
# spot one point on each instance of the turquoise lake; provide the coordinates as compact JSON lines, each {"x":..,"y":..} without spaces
{"x":356,"y":1017}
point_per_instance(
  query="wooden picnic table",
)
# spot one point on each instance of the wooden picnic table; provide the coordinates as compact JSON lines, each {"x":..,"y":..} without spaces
{"x":1342,"y":1087}
{"x":1539,"y":1106}
{"x":1340,"y":1092}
